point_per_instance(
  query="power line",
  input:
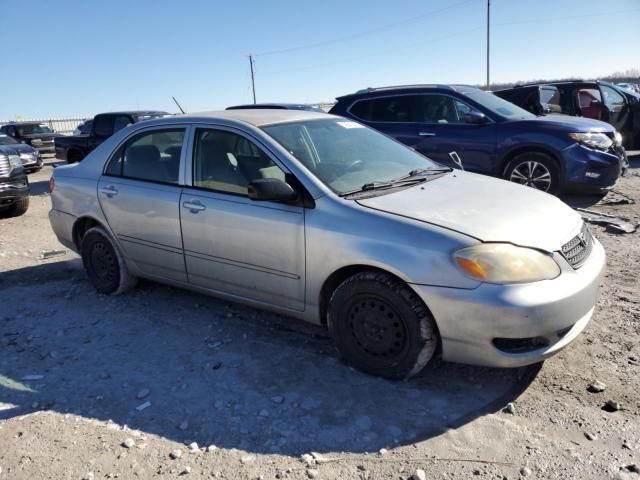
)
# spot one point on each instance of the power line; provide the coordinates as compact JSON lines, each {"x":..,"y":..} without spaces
{"x":456,"y":34}
{"x":382,"y":28}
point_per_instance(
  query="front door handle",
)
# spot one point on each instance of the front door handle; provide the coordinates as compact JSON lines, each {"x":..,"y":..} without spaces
{"x":109,"y":191}
{"x":194,"y":206}
{"x":426,"y":134}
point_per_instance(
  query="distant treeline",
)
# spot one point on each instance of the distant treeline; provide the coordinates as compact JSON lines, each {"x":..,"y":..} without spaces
{"x":628,"y":76}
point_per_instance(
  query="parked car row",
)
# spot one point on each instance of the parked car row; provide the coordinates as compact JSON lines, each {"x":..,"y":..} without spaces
{"x":589,"y":99}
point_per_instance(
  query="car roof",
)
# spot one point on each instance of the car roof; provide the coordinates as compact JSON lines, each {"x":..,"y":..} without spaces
{"x":135,"y":112}
{"x":257,"y":117}
{"x":31,"y":122}
{"x":400,"y":88}
{"x":277,"y":106}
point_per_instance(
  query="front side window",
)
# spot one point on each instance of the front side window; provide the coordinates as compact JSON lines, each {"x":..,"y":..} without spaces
{"x":345,"y":155}
{"x":612,"y":99}
{"x":152,"y":156}
{"x":120,"y":122}
{"x":495,"y":104}
{"x":103,"y":126}
{"x":227,"y":162}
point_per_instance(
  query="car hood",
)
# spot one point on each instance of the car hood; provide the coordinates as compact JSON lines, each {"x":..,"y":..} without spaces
{"x":570,"y":124}
{"x":486,"y":208}
{"x":21,"y":148}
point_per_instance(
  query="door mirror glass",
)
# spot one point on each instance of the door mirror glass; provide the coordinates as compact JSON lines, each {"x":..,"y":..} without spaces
{"x":271,"y":189}
{"x":474,"y":117}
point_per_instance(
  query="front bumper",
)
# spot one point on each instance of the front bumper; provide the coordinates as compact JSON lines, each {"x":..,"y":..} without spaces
{"x":12,"y":189}
{"x":480,"y":326}
{"x":31,"y":162}
{"x":588,"y":170}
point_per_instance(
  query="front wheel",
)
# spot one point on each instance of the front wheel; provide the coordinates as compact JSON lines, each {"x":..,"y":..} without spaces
{"x":536,"y":170}
{"x":381,"y":326}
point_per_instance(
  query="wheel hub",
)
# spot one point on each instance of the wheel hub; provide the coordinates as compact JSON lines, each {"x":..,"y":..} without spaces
{"x":376,"y":327}
{"x":532,"y":174}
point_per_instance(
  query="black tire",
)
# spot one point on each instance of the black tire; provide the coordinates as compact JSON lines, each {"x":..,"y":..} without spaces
{"x":104,"y":263}
{"x":19,"y":208}
{"x":381,"y":326}
{"x":525,"y":168}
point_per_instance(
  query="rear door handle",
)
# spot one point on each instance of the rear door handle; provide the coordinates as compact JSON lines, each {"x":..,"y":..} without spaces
{"x":109,"y":191}
{"x":194,"y":206}
{"x":426,"y":134}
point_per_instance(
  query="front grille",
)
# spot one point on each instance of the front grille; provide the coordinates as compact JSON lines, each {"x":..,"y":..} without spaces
{"x":577,"y":250}
{"x":4,"y":166}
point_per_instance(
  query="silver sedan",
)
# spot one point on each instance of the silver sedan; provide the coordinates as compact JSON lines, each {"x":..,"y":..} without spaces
{"x":320,"y":218}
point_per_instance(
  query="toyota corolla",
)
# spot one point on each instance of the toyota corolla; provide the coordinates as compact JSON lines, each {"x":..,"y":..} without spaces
{"x":323,"y":219}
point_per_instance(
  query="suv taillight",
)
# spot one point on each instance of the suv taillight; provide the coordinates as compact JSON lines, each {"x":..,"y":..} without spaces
{"x":52,"y":184}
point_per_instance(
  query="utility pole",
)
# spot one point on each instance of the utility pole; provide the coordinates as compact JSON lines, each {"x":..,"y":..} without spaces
{"x":253,"y":80}
{"x":488,"y":38}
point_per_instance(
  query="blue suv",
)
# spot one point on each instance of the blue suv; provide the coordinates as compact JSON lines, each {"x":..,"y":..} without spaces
{"x":462,"y":125}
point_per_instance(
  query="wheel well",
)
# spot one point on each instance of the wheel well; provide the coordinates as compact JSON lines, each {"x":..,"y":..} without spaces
{"x":511,"y":155}
{"x":80,"y":228}
{"x":336,"y":278}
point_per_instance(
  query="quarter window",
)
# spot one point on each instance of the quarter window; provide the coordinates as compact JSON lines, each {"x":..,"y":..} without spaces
{"x":227,"y":162}
{"x":152,"y":156}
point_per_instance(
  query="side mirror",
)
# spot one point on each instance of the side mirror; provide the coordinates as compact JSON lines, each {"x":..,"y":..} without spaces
{"x":595,"y":103}
{"x":271,"y":189}
{"x":475,"y":118}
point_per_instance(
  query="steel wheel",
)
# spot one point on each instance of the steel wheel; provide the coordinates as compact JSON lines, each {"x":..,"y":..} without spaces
{"x":103,"y":262}
{"x":376,"y":327}
{"x":532,"y":174}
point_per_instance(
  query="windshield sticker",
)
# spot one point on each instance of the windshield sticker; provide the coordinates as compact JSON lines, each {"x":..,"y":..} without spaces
{"x":350,"y":125}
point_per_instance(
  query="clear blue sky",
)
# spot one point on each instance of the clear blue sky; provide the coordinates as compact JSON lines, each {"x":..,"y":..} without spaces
{"x":81,"y":57}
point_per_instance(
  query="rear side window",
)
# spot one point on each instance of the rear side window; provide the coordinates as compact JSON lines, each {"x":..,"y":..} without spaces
{"x":152,"y":156}
{"x":398,"y":109}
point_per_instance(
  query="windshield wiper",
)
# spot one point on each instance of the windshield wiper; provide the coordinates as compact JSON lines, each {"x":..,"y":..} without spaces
{"x":417,"y":175}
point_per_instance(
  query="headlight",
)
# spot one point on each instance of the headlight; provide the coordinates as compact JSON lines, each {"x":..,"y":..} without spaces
{"x":14,"y":162}
{"x":617,"y":138}
{"x":598,"y":141}
{"x":505,"y":263}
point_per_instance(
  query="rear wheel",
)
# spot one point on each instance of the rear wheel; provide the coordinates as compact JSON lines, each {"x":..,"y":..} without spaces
{"x":536,"y":170}
{"x":104,"y":264}
{"x":381,"y":326}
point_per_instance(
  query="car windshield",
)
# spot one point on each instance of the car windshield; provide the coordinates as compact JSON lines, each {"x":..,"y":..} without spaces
{"x":346,"y":155}
{"x":496,"y":104}
{"x":7,"y":140}
{"x":33,"y":129}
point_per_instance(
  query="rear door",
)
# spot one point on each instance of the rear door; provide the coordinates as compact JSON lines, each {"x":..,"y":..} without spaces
{"x":250,"y":249}
{"x":139,"y":193}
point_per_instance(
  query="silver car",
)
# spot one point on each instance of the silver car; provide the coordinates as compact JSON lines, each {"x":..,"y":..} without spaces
{"x":321,"y":218}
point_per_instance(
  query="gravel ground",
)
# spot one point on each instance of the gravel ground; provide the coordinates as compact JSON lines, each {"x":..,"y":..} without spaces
{"x":97,"y":387}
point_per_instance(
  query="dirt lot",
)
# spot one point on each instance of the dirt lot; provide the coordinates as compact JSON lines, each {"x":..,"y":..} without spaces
{"x":112,"y":387}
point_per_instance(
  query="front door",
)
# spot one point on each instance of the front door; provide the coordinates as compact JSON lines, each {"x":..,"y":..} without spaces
{"x":140,"y":194}
{"x":442,"y":130}
{"x":250,"y":249}
{"x":616,"y":111}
